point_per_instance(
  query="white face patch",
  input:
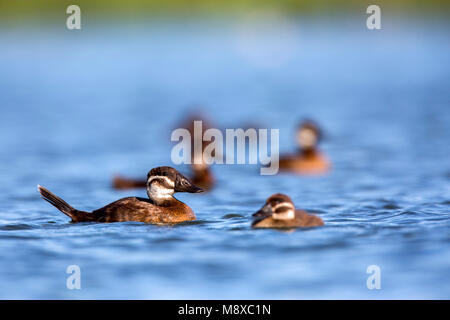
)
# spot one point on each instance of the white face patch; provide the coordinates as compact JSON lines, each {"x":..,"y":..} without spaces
{"x":307,"y":138}
{"x":284,"y":205}
{"x":168,"y":181}
{"x":285,"y":214}
{"x":156,"y":191}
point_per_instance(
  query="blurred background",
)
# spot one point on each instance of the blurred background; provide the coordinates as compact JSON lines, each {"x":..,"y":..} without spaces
{"x":78,"y":106}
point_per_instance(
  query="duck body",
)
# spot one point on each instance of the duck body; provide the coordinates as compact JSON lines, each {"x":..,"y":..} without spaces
{"x":160,"y":208}
{"x":310,"y":162}
{"x":143,"y":210}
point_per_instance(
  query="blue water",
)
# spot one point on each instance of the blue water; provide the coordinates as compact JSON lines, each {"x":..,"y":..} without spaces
{"x":78,"y":107}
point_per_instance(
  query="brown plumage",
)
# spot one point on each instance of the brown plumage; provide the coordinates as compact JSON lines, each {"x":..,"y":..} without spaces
{"x":160,"y":208}
{"x":279,"y":212}
{"x":307,"y":162}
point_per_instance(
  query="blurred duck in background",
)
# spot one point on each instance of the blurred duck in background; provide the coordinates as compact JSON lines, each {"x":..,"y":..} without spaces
{"x":279,"y":212}
{"x":201,"y":174}
{"x":308,"y":159}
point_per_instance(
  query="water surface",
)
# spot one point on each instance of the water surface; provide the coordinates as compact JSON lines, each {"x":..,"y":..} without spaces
{"x":78,"y":107}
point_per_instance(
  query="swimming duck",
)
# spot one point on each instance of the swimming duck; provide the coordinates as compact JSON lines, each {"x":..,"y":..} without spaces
{"x":279,"y":212}
{"x":308,"y":159}
{"x":160,"y":208}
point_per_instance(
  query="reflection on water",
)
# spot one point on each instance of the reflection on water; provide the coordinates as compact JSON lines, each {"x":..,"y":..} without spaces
{"x":79,"y":107}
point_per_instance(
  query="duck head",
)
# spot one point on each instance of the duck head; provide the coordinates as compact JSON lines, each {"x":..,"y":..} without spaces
{"x":278,"y":206}
{"x":163,"y":182}
{"x":308,"y":135}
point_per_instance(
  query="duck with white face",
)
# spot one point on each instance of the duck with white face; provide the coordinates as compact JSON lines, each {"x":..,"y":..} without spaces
{"x":279,"y":212}
{"x":308,"y":159}
{"x":160,"y":208}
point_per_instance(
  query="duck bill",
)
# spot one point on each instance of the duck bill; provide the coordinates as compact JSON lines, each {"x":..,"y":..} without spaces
{"x":187,"y":186}
{"x":265,"y":211}
{"x":192,"y":189}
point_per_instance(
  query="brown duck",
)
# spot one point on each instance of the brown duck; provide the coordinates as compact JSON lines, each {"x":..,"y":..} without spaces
{"x":279,"y":212}
{"x":308,"y":160}
{"x":160,"y":208}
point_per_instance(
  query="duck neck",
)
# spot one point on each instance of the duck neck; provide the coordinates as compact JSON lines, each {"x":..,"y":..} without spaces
{"x":160,"y":196}
{"x":200,"y":173}
{"x":308,"y":152}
